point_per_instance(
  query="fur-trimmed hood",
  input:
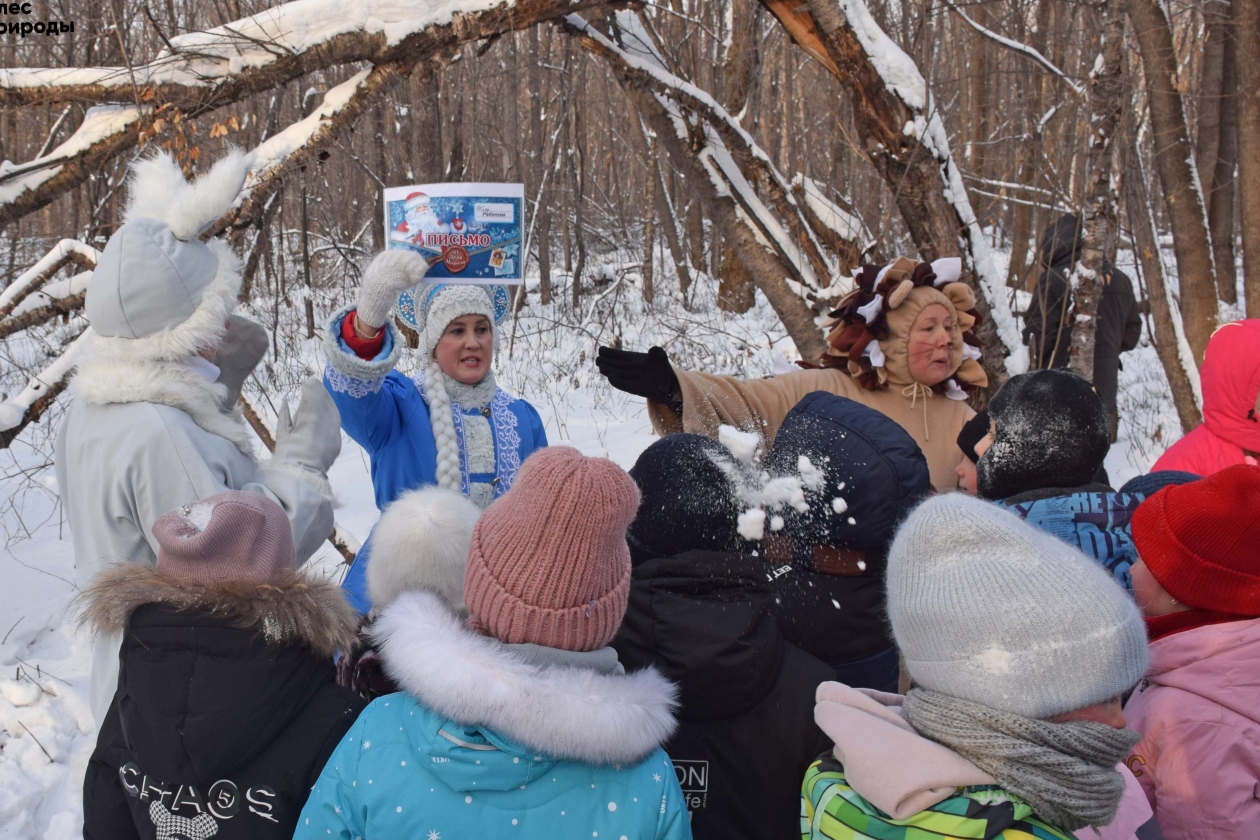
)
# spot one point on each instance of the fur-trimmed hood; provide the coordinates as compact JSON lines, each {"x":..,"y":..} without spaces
{"x":291,"y":607}
{"x":113,"y":375}
{"x":565,"y":713}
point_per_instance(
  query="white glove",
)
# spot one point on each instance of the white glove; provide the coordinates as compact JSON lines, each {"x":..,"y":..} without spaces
{"x":311,"y":440}
{"x":240,"y":352}
{"x":388,"y":275}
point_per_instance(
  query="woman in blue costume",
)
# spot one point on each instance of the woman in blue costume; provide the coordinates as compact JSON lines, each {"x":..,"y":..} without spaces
{"x":466,"y":433}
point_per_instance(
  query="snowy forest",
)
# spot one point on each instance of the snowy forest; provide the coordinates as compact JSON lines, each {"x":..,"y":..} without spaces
{"x":702,"y":176}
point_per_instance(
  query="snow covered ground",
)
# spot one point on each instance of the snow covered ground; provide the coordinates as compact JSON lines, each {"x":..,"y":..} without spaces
{"x":46,"y":729}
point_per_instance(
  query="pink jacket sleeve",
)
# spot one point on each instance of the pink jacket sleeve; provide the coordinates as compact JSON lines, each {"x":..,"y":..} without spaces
{"x":1132,"y":817}
{"x":1204,"y":783}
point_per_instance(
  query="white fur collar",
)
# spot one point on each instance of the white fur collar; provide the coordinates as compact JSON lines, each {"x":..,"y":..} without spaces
{"x":108,"y":378}
{"x":565,"y":713}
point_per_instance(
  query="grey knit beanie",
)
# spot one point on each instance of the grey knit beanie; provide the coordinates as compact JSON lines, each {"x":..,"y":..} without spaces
{"x":989,"y":609}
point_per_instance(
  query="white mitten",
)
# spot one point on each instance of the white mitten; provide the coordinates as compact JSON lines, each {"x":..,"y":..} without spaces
{"x":311,"y":439}
{"x":388,"y":275}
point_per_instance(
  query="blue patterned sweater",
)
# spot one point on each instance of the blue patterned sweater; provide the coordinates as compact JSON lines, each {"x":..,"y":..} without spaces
{"x":387,"y":414}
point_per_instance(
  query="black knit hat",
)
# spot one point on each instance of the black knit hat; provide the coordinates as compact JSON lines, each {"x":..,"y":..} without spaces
{"x":689,"y":488}
{"x":973,"y":431}
{"x":1051,"y":430}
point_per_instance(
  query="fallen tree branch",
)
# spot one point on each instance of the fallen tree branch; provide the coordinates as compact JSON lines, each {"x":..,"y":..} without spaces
{"x":64,"y":252}
{"x":226,"y":64}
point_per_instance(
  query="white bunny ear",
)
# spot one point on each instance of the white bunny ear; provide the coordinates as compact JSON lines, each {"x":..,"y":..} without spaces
{"x":158,"y":191}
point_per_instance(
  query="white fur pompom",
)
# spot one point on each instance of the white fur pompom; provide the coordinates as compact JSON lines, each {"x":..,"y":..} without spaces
{"x":422,"y":542}
{"x":158,"y":191}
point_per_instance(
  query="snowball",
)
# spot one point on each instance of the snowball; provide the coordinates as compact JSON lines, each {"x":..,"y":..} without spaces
{"x":776,"y":523}
{"x":752,"y":524}
{"x":198,"y":515}
{"x":852,"y":521}
{"x":743,"y":445}
{"x":839,"y":505}
{"x":811,"y":476}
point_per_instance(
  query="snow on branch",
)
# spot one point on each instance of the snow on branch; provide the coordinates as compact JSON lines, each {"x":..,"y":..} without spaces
{"x":65,"y":251}
{"x":40,"y":391}
{"x":907,"y":143}
{"x":106,"y":131}
{"x":301,"y":142}
{"x":205,"y":71}
{"x":731,"y":154}
{"x":1021,"y":48}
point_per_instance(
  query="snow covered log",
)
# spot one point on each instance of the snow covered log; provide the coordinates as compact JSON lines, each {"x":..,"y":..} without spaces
{"x":904,"y":137}
{"x":205,"y":71}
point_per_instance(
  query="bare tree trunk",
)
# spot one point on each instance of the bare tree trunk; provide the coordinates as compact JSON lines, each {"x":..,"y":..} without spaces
{"x":1174,"y":162}
{"x":740,"y":70}
{"x":1176,"y":364}
{"x":538,"y":152}
{"x":378,"y":148}
{"x":577,"y":169}
{"x":649,"y":223}
{"x":917,"y":178}
{"x":1221,"y":203}
{"x":1099,"y":217}
{"x":1247,"y":41}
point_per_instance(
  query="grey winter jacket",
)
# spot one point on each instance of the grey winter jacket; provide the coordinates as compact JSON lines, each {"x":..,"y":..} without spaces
{"x":129,"y":450}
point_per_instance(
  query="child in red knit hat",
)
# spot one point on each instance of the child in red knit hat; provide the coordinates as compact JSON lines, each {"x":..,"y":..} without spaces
{"x":1198,"y":584}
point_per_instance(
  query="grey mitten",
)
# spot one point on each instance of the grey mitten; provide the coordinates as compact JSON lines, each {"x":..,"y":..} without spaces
{"x":311,"y":439}
{"x":388,"y":275}
{"x":242,"y":348}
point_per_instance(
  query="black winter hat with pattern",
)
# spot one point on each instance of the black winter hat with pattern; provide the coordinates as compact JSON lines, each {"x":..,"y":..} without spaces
{"x":689,"y":498}
{"x":1051,"y":429}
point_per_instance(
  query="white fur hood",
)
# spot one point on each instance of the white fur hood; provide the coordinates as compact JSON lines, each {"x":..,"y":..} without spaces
{"x":565,"y":713}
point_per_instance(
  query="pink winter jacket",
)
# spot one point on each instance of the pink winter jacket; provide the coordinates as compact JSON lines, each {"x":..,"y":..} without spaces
{"x":1199,"y":714}
{"x":1231,"y":405}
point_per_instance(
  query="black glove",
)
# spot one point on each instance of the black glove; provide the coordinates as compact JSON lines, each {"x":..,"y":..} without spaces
{"x":647,"y":375}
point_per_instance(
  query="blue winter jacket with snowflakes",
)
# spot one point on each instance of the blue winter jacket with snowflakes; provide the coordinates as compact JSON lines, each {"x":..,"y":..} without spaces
{"x":1094,"y":519}
{"x":482,"y":744}
{"x":387,"y":414}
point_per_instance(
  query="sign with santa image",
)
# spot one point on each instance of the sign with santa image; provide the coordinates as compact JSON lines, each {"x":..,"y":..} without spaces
{"x":470,"y":233}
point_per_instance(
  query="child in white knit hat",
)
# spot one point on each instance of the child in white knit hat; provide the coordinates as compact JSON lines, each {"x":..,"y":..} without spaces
{"x":1018,"y":648}
{"x":451,"y":425}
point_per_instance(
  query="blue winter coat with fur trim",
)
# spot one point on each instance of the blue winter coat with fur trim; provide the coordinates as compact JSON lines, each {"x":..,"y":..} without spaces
{"x":1094,"y":519}
{"x":387,"y":414}
{"x":482,"y":744}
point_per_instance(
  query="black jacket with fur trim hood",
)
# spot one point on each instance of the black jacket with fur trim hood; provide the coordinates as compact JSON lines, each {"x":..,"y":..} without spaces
{"x":227,"y":705}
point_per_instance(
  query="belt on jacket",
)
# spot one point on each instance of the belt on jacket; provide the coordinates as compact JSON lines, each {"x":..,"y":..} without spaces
{"x":483,"y":478}
{"x":826,"y":559}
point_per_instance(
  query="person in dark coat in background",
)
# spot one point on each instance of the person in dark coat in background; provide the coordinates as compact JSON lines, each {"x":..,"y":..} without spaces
{"x":227,"y":706}
{"x":1048,"y":322}
{"x":872,"y":475}
{"x":700,"y":613}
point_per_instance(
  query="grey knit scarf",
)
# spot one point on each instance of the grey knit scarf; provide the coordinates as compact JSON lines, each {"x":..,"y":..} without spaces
{"x":1065,"y":771}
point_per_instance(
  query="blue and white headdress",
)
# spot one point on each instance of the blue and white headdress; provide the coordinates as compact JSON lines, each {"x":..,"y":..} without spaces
{"x":430,"y":307}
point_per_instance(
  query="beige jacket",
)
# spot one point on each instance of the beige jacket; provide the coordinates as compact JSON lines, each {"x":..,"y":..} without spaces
{"x":759,"y":405}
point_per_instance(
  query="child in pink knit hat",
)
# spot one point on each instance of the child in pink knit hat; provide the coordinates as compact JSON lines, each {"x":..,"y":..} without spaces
{"x":519,"y":721}
{"x":227,"y":704}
